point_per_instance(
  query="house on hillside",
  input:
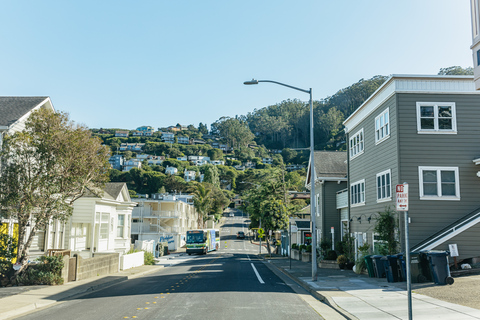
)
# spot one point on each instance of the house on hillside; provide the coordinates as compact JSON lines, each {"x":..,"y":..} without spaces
{"x":121,"y":133}
{"x":183,"y":140}
{"x":132,"y":163}
{"x":137,"y":147}
{"x":330,"y":177}
{"x":117,"y":162}
{"x":171,"y":170}
{"x":168,"y":137}
{"x":189,"y":175}
{"x":420,"y":130}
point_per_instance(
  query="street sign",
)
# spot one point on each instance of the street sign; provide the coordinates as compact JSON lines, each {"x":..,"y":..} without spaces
{"x":402,"y":197}
{"x":453,"y":250}
{"x":261,"y":233}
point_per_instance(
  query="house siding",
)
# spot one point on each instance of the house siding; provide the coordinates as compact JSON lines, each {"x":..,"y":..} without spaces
{"x":375,"y":159}
{"x":467,"y":243}
{"x":332,"y":214}
{"x":439,"y":150}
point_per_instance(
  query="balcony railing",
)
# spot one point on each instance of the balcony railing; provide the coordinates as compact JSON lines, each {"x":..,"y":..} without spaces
{"x":342,"y":198}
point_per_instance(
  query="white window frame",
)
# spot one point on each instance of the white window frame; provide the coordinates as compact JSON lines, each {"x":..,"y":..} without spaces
{"x":121,"y":225}
{"x":439,"y":195}
{"x":435,"y":106}
{"x":356,"y":144}
{"x":361,"y":194}
{"x":382,"y":126}
{"x":387,"y":191}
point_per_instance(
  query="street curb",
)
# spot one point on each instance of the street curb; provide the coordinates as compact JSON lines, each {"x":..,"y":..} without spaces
{"x":87,"y":289}
{"x":325,"y":299}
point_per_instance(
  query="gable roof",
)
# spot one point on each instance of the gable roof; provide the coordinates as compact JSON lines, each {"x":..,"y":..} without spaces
{"x":329,"y":165}
{"x":14,"y":108}
{"x":113,"y":189}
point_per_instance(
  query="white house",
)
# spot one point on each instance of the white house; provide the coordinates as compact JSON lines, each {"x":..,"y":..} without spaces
{"x":171,"y":170}
{"x":132,"y":163}
{"x":100,"y":223}
{"x":14,"y":112}
{"x":189,"y":175}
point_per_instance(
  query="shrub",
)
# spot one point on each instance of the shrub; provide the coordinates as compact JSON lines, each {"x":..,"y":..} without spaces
{"x":342,"y":259}
{"x":302,"y":247}
{"x":48,"y":272}
{"x":385,"y":227}
{"x":148,"y":258}
{"x":308,"y":248}
{"x":294,"y":246}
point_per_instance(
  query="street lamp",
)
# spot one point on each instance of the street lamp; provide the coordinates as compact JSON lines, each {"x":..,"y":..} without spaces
{"x":312,"y":172}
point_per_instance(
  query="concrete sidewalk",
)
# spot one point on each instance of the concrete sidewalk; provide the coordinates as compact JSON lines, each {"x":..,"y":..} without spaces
{"x":15,"y":301}
{"x":360,"y":297}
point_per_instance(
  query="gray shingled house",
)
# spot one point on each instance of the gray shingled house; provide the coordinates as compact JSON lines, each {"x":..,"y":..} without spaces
{"x":330,"y":179}
{"x":422,"y":130}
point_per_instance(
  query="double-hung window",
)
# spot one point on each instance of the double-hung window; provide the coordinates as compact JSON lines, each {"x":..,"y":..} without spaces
{"x":436,"y":117}
{"x":356,"y":144}
{"x":382,"y":126}
{"x":439,"y":183}
{"x":357,"y":193}
{"x":384,"y":190}
{"x":120,"y":225}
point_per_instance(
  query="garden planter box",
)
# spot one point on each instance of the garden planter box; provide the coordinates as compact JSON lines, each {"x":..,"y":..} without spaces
{"x":306,"y":257}
{"x":329,"y":264}
{"x":295,"y":254}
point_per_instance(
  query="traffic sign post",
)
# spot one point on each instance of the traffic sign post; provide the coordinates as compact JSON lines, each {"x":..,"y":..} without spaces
{"x":402,"y":205}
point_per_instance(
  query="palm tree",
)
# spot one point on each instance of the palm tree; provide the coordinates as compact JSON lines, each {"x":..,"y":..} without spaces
{"x":202,"y":202}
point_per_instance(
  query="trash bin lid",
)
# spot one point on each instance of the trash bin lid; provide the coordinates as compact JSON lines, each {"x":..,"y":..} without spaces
{"x":437,"y":253}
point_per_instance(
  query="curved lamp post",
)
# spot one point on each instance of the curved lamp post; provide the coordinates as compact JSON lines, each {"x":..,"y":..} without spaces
{"x":312,"y":173}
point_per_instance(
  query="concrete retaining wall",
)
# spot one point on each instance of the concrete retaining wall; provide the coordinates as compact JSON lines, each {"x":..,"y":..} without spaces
{"x":101,"y":264}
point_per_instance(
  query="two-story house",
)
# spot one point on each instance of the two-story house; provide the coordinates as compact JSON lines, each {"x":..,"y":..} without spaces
{"x":421,"y":130}
{"x":171,"y":170}
{"x":168,"y":137}
{"x":146,"y":130}
{"x":189,"y":175}
{"x":183,"y":140}
{"x":117,"y":161}
{"x":132,"y":163}
{"x":330,"y":178}
{"x":121,"y":133}
{"x":132,"y":147}
{"x":14,"y":112}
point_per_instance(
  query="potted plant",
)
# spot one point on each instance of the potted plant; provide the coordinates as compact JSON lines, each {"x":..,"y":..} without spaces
{"x":342,"y":261}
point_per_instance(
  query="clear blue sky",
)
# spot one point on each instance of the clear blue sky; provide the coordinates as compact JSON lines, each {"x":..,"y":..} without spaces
{"x":123,"y":64}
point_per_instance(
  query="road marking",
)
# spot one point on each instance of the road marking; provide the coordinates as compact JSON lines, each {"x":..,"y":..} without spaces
{"x":258,"y":275}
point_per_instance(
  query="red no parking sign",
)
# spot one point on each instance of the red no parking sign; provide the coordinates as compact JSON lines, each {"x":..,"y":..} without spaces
{"x":402,"y":197}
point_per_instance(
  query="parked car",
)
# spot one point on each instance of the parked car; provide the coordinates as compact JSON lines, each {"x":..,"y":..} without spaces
{"x":241,"y":235}
{"x":232,"y":214}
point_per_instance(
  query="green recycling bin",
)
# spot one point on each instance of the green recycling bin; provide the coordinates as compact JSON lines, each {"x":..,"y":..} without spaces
{"x":369,"y":264}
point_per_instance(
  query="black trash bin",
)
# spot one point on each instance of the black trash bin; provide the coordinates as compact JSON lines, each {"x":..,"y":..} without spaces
{"x":439,"y":265}
{"x":388,"y":269}
{"x":393,"y":272}
{"x":402,"y":266}
{"x":378,"y":266}
{"x":416,"y":270}
{"x":425,"y":265}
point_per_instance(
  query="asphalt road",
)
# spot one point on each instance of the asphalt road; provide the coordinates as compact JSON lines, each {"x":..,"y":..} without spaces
{"x":228,"y":284}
